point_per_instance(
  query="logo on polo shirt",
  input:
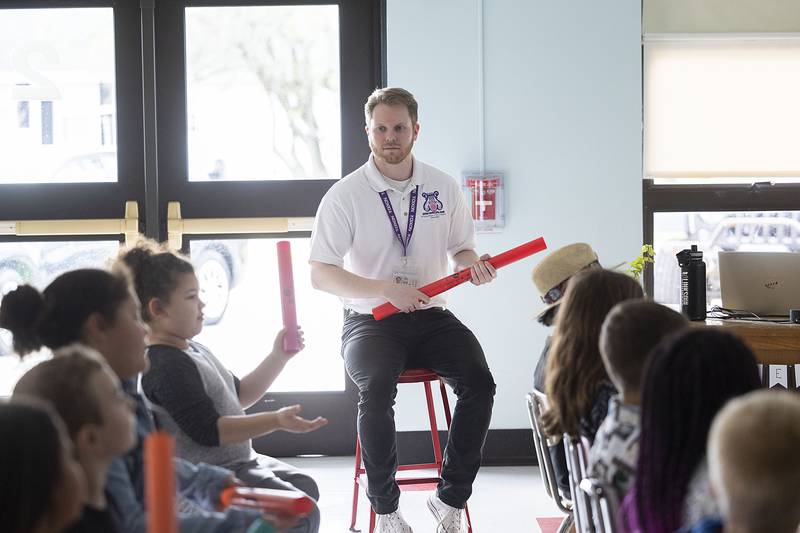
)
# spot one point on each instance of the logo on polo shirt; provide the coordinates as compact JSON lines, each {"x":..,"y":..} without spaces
{"x":432,"y":207}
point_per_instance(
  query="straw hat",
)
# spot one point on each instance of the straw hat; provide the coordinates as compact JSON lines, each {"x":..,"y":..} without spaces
{"x":551,"y":275}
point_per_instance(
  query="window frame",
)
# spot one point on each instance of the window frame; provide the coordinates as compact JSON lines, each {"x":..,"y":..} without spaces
{"x":673,"y":198}
{"x":22,"y":201}
{"x":276,"y":198}
{"x":742,"y":195}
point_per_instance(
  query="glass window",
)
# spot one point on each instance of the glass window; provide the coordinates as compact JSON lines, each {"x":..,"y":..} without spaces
{"x":263,"y":95}
{"x":37,"y":264}
{"x":720,"y":164}
{"x":713,"y":232}
{"x":52,"y":62}
{"x":239,"y":285}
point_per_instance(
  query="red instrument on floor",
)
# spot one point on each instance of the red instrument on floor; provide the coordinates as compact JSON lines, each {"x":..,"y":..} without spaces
{"x":278,"y":502}
{"x":453,"y":280}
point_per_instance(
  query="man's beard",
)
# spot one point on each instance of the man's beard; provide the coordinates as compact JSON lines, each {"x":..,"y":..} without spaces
{"x":393,"y":157}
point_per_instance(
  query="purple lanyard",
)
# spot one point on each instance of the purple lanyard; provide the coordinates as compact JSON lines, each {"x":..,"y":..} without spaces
{"x":412,"y":216}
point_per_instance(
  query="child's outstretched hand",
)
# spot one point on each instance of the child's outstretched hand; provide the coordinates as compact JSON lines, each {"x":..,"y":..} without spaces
{"x":277,"y":346}
{"x":290,"y":421}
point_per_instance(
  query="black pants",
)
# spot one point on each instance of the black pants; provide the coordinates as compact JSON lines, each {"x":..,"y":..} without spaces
{"x":376,"y":353}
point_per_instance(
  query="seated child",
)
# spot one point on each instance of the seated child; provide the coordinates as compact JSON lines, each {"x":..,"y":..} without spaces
{"x":754,"y":465}
{"x":690,"y":377}
{"x":99,"y":309}
{"x":193,"y":395}
{"x":551,"y":277}
{"x":99,"y":418}
{"x":42,"y":487}
{"x":577,"y":385}
{"x":630,"y":332}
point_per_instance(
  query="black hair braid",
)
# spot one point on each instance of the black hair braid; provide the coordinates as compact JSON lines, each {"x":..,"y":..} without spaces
{"x":20,"y":313}
{"x":55,"y":317}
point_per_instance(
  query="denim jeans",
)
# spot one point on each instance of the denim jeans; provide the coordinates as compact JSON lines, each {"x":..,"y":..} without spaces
{"x":376,"y":353}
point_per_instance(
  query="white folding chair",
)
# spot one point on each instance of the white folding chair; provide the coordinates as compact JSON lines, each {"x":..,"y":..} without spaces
{"x":576,"y":464}
{"x":537,"y":402}
{"x":604,"y":504}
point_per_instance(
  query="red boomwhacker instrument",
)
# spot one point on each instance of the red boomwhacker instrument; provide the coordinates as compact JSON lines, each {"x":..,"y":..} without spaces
{"x":278,"y":502}
{"x":159,"y":479}
{"x":444,"y":284}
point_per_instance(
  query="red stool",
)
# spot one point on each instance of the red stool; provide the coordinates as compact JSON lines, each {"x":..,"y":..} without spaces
{"x":415,"y":375}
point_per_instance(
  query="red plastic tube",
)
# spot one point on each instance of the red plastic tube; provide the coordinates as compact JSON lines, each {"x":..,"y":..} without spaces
{"x":279,"y":502}
{"x":439,"y":286}
{"x":160,"y":483}
{"x":291,"y":339}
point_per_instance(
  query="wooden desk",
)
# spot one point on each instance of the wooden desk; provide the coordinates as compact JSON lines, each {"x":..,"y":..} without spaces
{"x":773,"y":344}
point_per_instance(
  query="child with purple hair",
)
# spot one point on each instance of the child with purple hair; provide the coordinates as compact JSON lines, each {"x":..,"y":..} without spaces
{"x":689,"y":379}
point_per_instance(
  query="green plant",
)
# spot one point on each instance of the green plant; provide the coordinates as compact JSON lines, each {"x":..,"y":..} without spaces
{"x":646,"y":255}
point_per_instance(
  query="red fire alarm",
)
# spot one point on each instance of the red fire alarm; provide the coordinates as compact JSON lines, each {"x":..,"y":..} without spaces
{"x":485,"y":197}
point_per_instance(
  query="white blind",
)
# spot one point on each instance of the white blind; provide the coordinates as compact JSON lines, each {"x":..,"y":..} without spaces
{"x":720,"y":16}
{"x":722,"y":107}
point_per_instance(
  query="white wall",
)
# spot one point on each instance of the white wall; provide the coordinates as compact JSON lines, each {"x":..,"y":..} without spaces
{"x":563,"y":121}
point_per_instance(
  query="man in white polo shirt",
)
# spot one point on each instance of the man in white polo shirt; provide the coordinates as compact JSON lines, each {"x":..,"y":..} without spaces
{"x":384,"y":230}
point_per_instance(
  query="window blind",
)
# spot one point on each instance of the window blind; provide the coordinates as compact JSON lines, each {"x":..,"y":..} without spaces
{"x":722,"y":106}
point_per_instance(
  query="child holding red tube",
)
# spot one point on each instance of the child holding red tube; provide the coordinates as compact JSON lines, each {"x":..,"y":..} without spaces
{"x":195,"y":397}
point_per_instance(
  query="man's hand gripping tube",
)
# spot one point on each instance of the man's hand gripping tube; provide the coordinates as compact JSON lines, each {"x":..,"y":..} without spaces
{"x":453,"y":280}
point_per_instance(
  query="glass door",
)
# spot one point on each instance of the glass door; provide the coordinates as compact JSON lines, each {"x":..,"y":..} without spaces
{"x":254,"y":125}
{"x":239,"y":114}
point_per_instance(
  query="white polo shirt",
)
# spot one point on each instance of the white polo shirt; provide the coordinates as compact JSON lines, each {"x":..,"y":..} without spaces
{"x":352,"y":229}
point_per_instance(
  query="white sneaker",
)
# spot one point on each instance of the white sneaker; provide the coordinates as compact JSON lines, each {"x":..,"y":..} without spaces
{"x":391,"y":523}
{"x":449,"y":519}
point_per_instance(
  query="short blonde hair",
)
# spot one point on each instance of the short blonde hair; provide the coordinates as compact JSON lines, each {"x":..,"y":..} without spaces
{"x":391,"y":96}
{"x":754,"y":461}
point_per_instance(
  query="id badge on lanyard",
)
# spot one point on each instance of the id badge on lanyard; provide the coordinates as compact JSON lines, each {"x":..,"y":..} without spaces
{"x":406,"y":272}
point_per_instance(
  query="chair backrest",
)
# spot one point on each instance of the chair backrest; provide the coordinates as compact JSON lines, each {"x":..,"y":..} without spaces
{"x":537,"y":402}
{"x":577,"y":465}
{"x":604,"y":504}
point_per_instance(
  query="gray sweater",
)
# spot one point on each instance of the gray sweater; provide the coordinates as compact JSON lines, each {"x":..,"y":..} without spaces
{"x":189,"y":390}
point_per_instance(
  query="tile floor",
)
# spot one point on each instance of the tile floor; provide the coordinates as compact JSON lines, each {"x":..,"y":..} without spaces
{"x":505,"y":499}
